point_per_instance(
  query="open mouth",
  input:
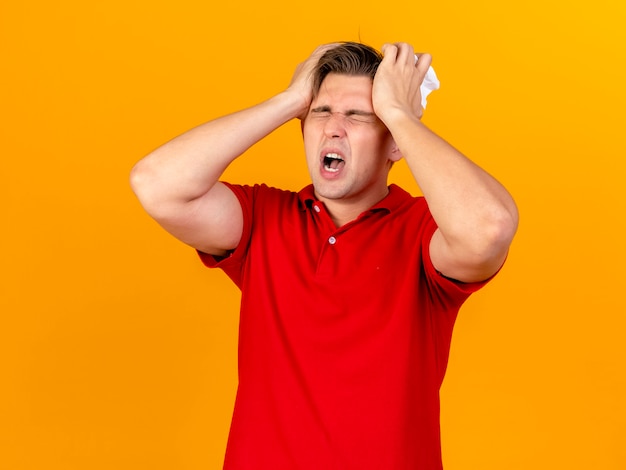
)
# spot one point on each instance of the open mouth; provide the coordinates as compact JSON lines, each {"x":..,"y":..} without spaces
{"x":333,"y":162}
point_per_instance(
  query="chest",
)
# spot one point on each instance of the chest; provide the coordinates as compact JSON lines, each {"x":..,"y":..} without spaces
{"x":306,"y":258}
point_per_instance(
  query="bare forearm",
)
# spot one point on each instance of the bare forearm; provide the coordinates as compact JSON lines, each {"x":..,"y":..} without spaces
{"x":475,"y":214}
{"x":188,"y":166}
{"x":472,"y":209}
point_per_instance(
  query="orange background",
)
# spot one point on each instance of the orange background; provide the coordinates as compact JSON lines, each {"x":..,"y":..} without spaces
{"x":118,"y":349}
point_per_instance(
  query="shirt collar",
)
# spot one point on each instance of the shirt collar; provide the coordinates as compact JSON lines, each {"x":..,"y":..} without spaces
{"x":394,"y":199}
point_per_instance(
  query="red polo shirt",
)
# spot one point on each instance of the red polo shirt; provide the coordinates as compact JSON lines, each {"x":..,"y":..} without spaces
{"x":344,"y":335}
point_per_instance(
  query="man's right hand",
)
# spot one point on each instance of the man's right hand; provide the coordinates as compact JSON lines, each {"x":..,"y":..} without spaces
{"x":178,"y":183}
{"x":302,"y":80}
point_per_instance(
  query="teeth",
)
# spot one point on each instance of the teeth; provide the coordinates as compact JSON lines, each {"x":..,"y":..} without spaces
{"x":332,"y":161}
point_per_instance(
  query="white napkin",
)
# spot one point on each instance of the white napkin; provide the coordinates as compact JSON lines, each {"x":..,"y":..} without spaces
{"x":430,"y":83}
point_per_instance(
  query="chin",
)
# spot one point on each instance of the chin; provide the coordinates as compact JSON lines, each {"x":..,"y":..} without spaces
{"x":326,"y":191}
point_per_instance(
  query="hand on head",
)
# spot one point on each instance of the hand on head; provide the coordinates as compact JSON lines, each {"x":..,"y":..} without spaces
{"x":302,"y":80}
{"x":398,"y":81}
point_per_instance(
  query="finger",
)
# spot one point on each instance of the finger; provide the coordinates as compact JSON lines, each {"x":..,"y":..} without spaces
{"x":307,"y":66}
{"x":390,"y":52}
{"x":398,"y":52}
{"x":422,"y":63}
{"x":405,"y":53}
{"x":427,"y":57}
{"x":321,"y":50}
{"x":417,"y":56}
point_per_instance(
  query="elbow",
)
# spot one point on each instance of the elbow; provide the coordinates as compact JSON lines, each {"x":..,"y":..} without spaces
{"x":504,"y":225}
{"x":508,"y":223}
{"x":496,"y":235}
{"x":139,"y":180}
{"x":136,"y":178}
{"x":478,"y":247}
{"x":145,"y":184}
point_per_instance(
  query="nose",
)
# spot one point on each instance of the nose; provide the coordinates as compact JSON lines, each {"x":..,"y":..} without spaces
{"x":335,"y":126}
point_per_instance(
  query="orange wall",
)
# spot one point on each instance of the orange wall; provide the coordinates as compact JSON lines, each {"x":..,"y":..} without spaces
{"x":118,"y":349}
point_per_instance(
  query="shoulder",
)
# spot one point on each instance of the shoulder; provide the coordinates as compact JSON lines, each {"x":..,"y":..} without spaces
{"x":250,"y":194}
{"x":402,"y":205}
{"x":260,"y":190}
{"x":261,"y":200}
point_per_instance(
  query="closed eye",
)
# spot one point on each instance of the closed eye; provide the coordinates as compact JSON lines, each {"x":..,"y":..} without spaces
{"x":356,"y":116}
{"x":322,"y":111}
{"x":361,"y":116}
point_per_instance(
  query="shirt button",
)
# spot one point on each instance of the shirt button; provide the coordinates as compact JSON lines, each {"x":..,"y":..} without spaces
{"x":332,"y":240}
{"x":316,"y":208}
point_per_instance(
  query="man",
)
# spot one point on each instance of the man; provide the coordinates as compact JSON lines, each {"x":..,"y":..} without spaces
{"x":350,"y":287}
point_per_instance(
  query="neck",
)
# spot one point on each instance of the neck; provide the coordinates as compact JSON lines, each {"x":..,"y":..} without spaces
{"x":345,"y":210}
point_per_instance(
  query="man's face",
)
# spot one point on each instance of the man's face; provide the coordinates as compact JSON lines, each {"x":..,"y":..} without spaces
{"x":347,"y":147}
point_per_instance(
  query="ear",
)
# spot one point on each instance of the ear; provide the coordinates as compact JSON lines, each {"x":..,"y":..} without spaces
{"x":394,"y":152}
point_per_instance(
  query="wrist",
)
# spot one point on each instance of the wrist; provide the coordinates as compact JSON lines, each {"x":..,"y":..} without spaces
{"x":294,"y":102}
{"x":394,"y":116}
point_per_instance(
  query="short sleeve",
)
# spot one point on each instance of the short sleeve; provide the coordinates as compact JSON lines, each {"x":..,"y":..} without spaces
{"x":445,"y":288}
{"x":232,"y":264}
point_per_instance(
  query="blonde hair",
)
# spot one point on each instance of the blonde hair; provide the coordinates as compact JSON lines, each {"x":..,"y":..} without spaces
{"x":348,"y":58}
